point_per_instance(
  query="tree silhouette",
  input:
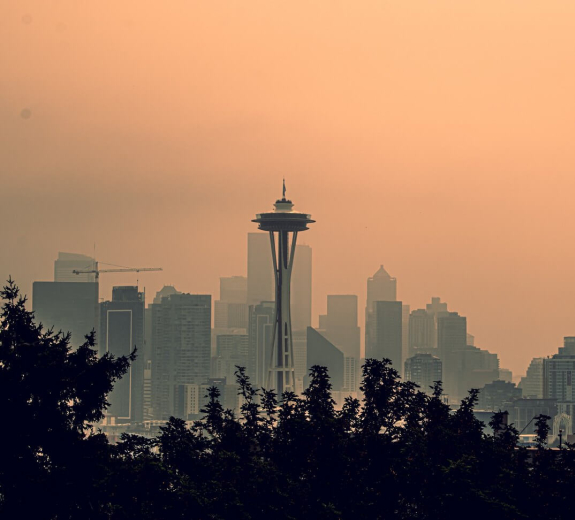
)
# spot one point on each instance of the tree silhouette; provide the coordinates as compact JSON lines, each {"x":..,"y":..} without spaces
{"x":50,"y":396}
{"x":398,"y":453}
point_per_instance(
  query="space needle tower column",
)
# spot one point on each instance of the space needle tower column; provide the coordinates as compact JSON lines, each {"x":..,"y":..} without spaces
{"x":283,"y":225}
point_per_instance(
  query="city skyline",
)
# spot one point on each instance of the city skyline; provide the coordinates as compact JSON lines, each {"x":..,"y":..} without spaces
{"x":452,"y":161}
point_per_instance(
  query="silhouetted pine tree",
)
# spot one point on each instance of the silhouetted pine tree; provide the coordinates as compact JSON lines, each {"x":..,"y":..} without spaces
{"x":50,"y":395}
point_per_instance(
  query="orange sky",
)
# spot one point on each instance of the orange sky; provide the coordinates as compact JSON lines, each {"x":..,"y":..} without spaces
{"x":433,"y":137}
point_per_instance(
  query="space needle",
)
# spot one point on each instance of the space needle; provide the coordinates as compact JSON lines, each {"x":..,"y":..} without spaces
{"x":284,"y":221}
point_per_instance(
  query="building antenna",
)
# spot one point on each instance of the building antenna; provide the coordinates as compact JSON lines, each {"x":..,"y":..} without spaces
{"x":284,"y":189}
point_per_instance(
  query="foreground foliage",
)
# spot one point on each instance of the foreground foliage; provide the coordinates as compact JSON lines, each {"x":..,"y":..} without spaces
{"x":397,"y":454}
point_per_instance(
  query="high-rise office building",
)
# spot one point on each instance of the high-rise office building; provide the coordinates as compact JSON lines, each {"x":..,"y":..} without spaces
{"x":351,"y":376}
{"x":387,"y":333}
{"x":122,"y":330}
{"x":471,"y":367}
{"x":231,"y":313}
{"x":559,"y":382}
{"x":405,"y":311}
{"x":437,"y":308}
{"x":321,"y":351}
{"x":231,"y":310}
{"x":283,"y":225}
{"x":234,"y":289}
{"x":167,"y":290}
{"x":181,"y":347}
{"x":451,"y":337}
{"x":67,"y":263}
{"x":231,"y":352}
{"x":505,"y":375}
{"x":422,"y":333}
{"x":341,"y":323}
{"x":532,"y":382}
{"x":67,"y":306}
{"x":260,"y":269}
{"x":230,"y":316}
{"x":300,"y":358}
{"x":301,"y":289}
{"x":380,"y":287}
{"x":424,"y":370}
{"x":260,"y":338}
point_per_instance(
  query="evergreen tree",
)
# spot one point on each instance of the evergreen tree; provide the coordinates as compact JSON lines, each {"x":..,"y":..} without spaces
{"x":50,"y":396}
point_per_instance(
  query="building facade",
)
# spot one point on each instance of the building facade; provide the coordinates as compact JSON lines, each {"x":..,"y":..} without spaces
{"x":424,"y":370}
{"x":301,"y":288}
{"x":181,"y":347}
{"x":122,"y":331}
{"x":260,"y":269}
{"x":67,"y":306}
{"x":386,"y":333}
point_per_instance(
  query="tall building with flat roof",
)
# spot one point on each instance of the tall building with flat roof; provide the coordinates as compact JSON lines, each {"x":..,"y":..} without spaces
{"x":234,"y":289}
{"x":424,"y":370}
{"x":422,"y":333}
{"x":387,"y":333}
{"x":260,"y":337}
{"x":301,"y":288}
{"x":67,"y":263}
{"x":231,"y":352}
{"x":341,"y":323}
{"x":122,"y":330}
{"x":380,"y":287}
{"x":532,"y":382}
{"x":260,"y":269}
{"x":451,"y":337}
{"x":181,"y":347}
{"x":67,"y":306}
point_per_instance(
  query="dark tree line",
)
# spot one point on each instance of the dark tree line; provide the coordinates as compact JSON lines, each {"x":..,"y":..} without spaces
{"x":397,"y":454}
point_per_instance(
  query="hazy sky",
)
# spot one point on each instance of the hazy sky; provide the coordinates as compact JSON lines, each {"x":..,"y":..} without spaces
{"x":434,"y":137}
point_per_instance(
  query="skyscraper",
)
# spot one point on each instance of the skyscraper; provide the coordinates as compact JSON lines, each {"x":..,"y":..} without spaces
{"x":451,"y":337}
{"x":422,"y":332}
{"x":532,"y":382}
{"x":437,"y":308}
{"x":286,"y":223}
{"x":341,"y":326}
{"x":260,"y":339}
{"x":301,"y":288}
{"x":66,"y":263}
{"x":260,"y":269}
{"x":231,"y":351}
{"x":380,"y":287}
{"x":67,"y":306}
{"x":405,"y":331}
{"x":122,"y":329}
{"x":559,"y":383}
{"x":387,"y":332}
{"x":181,"y":347}
{"x":234,"y":289}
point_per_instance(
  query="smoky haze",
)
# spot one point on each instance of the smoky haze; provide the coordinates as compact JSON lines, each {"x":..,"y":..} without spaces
{"x":431,"y":137}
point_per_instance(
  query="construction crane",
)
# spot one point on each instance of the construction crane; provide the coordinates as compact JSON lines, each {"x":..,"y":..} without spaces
{"x":122,"y":270}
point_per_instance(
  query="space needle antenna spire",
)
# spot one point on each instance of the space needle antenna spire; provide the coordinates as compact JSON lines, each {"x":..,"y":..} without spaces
{"x":283,"y":225}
